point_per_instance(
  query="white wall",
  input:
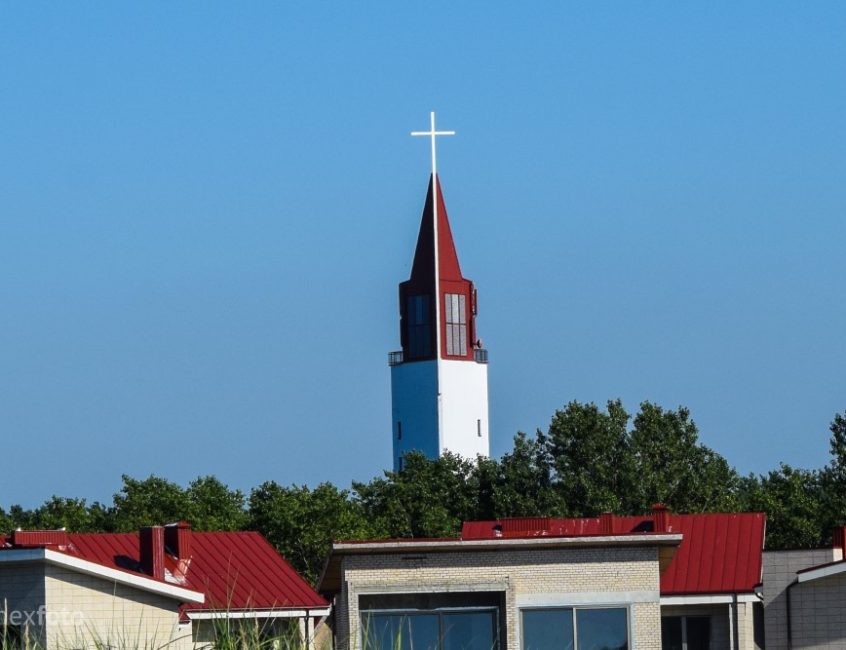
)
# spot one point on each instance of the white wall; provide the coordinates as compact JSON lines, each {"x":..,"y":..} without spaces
{"x":464,"y":408}
{"x":441,"y":405}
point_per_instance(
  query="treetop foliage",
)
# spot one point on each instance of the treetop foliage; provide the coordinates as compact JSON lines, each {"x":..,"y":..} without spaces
{"x":590,"y":460}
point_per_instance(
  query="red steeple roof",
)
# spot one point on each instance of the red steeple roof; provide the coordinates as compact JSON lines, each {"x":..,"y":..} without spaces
{"x":423,"y":267}
{"x":455,"y":294}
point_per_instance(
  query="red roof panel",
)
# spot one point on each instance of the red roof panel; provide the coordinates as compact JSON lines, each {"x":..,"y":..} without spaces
{"x":235,"y":570}
{"x":719,"y":552}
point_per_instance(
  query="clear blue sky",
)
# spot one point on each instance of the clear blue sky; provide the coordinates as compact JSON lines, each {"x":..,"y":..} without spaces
{"x":205,"y":210}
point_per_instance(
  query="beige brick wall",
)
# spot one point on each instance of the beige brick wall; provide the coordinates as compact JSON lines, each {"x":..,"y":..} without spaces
{"x":542,"y":577}
{"x":86,"y":609}
{"x":780,"y":569}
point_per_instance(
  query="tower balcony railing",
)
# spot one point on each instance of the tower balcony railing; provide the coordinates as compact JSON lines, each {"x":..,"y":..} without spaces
{"x":480,"y":355}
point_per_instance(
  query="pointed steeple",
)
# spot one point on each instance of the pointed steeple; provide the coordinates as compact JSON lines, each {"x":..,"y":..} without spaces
{"x":423,"y":267}
{"x":455,"y":309}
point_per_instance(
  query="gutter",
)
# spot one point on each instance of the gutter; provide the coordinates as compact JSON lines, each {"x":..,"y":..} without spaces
{"x":302,"y":612}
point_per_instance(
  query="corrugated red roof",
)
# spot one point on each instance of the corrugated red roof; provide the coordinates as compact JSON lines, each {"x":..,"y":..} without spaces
{"x":235,"y":570}
{"x":719,"y":552}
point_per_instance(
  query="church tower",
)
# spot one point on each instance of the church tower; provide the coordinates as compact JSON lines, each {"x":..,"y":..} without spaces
{"x":439,"y":380}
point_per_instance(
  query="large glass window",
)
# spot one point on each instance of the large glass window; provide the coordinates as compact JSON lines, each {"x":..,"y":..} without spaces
{"x":578,"y":628}
{"x":401,"y":632}
{"x":686,"y":633}
{"x":419,"y":327}
{"x":602,"y":629}
{"x":548,"y":628}
{"x":456,"y":323}
{"x":432,"y":630}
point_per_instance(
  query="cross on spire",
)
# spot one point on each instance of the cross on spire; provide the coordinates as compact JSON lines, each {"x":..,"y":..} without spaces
{"x":433,"y":133}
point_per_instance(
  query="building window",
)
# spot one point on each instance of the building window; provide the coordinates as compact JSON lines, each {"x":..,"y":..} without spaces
{"x":456,"y":324}
{"x":399,"y":463}
{"x":399,"y":430}
{"x":430,"y":630}
{"x":419,"y":327}
{"x":686,"y":633}
{"x":576,"y":628}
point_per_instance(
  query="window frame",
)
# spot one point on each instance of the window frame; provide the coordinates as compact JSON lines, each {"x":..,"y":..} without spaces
{"x":455,"y":324}
{"x":573,"y":608}
{"x":439,"y":612}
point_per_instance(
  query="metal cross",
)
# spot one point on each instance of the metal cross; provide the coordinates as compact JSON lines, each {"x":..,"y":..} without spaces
{"x":433,"y":133}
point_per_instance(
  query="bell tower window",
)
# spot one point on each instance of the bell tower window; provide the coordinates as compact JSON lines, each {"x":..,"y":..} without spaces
{"x":456,"y":324}
{"x":419,"y":327}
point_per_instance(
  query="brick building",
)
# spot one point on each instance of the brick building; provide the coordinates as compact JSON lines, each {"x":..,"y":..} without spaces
{"x":485,"y":594}
{"x":611,"y":582}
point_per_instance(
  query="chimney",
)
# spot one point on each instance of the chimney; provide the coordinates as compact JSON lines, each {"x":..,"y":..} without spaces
{"x":177,"y":539}
{"x":660,"y":518}
{"x":151,"y":542}
{"x":606,"y":523}
{"x":840,"y":541}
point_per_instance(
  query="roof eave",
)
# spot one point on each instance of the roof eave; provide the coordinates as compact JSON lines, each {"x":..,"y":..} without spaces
{"x":400,"y":546}
{"x":87,"y":567}
{"x":222,"y":614}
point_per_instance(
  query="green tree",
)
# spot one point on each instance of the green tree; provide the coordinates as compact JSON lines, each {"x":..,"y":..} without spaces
{"x":22,"y":518}
{"x":428,"y":498}
{"x":792,"y":499}
{"x":149,"y":502}
{"x":589,"y":450}
{"x":671,"y":467}
{"x":833,"y":477}
{"x":520,"y":483}
{"x":213,"y":506}
{"x":5,"y":523}
{"x":302,"y":523}
{"x":74,"y":515}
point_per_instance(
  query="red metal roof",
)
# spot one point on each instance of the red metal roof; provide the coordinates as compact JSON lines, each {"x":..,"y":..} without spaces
{"x":719,"y":552}
{"x":235,"y":570}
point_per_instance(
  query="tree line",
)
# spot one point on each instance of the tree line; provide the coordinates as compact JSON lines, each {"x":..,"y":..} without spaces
{"x":588,"y":461}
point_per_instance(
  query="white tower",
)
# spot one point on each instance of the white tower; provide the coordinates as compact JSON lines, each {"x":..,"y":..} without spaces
{"x":439,"y":380}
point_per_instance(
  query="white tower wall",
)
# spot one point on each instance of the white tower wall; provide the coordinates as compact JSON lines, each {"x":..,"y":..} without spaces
{"x":440,"y":405}
{"x":464,"y":408}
